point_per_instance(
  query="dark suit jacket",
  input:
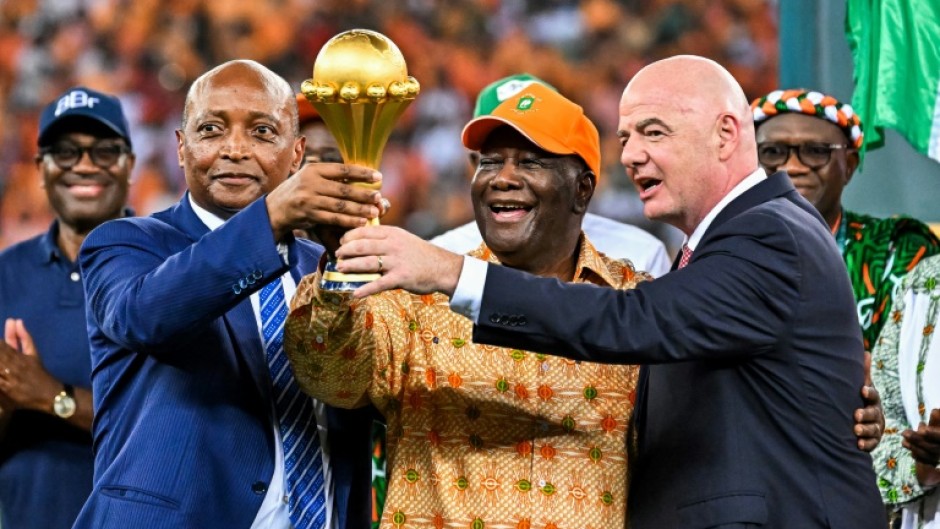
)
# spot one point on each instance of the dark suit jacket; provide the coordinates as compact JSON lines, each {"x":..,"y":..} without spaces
{"x":183,"y":416}
{"x":745,"y":415}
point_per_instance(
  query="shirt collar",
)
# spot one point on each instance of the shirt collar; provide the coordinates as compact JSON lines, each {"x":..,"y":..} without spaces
{"x":49,"y":244}
{"x":750,"y":181}
{"x":209,"y":219}
{"x":590,"y":267}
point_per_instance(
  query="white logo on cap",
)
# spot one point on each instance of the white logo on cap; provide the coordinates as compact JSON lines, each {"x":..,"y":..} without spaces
{"x":511,"y":88}
{"x":76,"y":99}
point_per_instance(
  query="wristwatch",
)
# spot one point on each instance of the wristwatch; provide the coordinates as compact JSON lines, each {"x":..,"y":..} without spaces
{"x":64,"y":403}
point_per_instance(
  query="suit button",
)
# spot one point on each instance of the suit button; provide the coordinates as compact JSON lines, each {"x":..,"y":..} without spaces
{"x":259,"y":487}
{"x":504,"y":319}
{"x":243,"y":283}
{"x":494,"y":318}
{"x":522,"y":321}
{"x":236,"y":289}
{"x":513,"y":321}
{"x":257,"y":275}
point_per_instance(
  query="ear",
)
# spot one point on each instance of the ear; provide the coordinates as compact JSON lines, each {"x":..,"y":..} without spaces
{"x":729,"y":135}
{"x":131,"y":161}
{"x":300,"y":145}
{"x":180,"y":137}
{"x":851,"y":164}
{"x":40,"y":160}
{"x":584,"y":190}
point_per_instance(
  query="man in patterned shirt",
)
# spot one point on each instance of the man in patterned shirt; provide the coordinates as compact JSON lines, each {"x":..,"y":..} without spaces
{"x":815,"y":139}
{"x":482,"y":435}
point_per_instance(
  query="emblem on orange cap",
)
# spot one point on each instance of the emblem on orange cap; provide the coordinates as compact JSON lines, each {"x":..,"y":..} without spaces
{"x":525,"y":102}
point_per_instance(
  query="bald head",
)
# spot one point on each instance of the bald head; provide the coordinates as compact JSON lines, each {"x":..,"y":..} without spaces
{"x":713,"y":87}
{"x":688,"y":137}
{"x":239,"y":71}
{"x":713,"y":92}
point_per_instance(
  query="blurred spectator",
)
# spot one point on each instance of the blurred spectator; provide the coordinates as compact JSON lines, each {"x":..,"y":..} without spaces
{"x":814,"y":138}
{"x":46,"y":458}
{"x":148,"y":51}
{"x":905,"y":368}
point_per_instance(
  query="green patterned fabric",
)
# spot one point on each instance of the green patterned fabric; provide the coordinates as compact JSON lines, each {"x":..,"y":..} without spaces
{"x":910,"y":325}
{"x":379,"y":480}
{"x":878,"y":254}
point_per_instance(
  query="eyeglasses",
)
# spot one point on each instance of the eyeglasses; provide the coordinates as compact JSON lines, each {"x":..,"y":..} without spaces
{"x":811,"y":154}
{"x":67,"y":155}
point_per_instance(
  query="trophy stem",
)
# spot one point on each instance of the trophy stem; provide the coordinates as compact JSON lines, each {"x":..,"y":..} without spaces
{"x":360,"y":87}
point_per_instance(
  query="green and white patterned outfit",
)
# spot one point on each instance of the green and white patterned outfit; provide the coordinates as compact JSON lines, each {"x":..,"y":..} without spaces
{"x":878,"y":253}
{"x":906,"y":371}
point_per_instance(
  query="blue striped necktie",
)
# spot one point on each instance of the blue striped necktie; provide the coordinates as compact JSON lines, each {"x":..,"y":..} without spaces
{"x":303,"y":461}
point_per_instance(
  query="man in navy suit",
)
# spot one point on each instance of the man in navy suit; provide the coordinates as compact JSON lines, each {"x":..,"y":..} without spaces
{"x":745,"y":413}
{"x":190,"y":427}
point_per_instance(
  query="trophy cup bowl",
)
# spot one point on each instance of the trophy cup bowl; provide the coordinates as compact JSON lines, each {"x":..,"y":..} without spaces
{"x":360,"y":87}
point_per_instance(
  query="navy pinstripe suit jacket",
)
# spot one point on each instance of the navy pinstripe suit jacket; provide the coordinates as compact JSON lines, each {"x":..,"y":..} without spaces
{"x":182,"y":429}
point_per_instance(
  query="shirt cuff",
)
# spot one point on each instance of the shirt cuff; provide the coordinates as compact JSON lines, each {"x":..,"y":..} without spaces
{"x":283,"y":252}
{"x":468,"y":296}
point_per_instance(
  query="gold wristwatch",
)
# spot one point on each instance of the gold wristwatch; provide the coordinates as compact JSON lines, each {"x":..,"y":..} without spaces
{"x":64,"y":403}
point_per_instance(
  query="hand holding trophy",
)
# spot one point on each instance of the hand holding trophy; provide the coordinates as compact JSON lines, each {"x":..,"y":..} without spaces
{"x":360,"y":87}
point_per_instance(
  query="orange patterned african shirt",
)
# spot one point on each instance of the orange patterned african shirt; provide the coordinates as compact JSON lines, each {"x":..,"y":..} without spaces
{"x":478,"y":436}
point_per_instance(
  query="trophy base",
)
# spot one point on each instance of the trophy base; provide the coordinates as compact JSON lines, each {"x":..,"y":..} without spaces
{"x":334,"y":281}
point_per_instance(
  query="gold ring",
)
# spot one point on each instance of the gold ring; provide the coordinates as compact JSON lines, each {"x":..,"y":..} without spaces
{"x":380,"y":263}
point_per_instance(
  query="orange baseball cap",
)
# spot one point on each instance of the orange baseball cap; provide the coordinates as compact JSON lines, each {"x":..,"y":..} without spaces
{"x":306,"y":112}
{"x":547,"y":119}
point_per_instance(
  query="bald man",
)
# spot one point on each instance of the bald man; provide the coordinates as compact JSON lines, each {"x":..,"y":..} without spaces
{"x":744,"y":415}
{"x":198,"y":419}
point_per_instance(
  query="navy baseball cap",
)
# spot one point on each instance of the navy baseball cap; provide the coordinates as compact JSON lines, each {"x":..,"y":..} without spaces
{"x":86,"y":104}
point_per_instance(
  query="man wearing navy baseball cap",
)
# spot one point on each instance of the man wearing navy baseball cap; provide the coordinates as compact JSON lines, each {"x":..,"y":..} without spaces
{"x":46,"y":458}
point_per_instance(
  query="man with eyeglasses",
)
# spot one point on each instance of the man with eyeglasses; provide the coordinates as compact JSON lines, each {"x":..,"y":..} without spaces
{"x":815,"y":139}
{"x":46,"y":460}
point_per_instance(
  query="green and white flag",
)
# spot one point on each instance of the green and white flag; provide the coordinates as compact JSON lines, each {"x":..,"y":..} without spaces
{"x":896,"y":51}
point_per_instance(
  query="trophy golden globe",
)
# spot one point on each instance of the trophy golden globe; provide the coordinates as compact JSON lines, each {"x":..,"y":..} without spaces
{"x":360,"y":87}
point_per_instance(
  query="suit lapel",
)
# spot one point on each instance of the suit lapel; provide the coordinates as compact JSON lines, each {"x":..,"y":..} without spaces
{"x":243,"y":328}
{"x":303,"y":258}
{"x":183,"y":218}
{"x":776,"y":185}
{"x":239,"y":321}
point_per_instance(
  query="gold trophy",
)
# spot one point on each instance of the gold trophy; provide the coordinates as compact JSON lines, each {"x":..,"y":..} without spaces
{"x":360,"y":87}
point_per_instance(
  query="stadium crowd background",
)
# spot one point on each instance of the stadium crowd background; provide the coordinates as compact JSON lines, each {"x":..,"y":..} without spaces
{"x":148,"y":51}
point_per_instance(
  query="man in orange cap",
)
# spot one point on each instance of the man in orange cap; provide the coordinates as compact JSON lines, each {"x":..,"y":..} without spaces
{"x":616,"y":239}
{"x":753,"y":348}
{"x":476,"y":433}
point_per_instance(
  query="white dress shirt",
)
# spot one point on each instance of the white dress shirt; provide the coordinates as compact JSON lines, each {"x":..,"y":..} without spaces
{"x":273,"y":513}
{"x":468,"y":295}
